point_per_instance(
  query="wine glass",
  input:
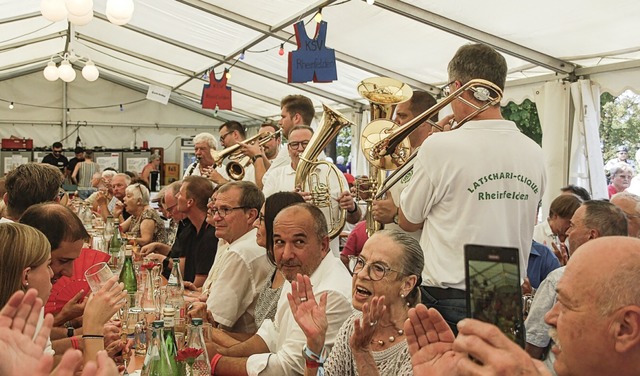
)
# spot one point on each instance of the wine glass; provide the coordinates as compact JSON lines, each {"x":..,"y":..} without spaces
{"x":97,"y":275}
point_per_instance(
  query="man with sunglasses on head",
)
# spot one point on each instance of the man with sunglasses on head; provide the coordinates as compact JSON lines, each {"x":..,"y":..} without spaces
{"x":479,"y":184}
{"x":55,"y":158}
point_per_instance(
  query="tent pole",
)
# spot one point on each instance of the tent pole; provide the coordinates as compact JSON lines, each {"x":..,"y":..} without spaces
{"x":64,"y":111}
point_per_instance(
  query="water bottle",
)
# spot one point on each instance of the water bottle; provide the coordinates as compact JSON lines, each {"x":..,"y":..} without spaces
{"x":175,"y":290}
{"x":157,"y":361}
{"x":195,"y":340}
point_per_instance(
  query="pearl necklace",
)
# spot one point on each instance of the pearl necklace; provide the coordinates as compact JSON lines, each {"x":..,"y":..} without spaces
{"x":391,"y":338}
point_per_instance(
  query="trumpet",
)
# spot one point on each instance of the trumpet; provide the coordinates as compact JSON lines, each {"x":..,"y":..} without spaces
{"x":389,"y":153}
{"x":384,"y":94}
{"x":238,"y":162}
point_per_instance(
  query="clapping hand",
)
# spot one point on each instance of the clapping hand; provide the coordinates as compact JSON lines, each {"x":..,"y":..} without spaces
{"x":310,"y":316}
{"x":430,"y":342}
{"x":365,"y":327}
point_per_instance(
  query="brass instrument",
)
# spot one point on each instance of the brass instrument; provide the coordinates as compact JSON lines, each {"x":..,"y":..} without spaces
{"x":384,"y":94}
{"x":389,"y":152}
{"x":309,"y":180}
{"x":238,"y":161}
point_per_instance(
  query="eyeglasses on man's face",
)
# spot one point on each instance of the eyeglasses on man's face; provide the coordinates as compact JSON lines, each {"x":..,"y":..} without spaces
{"x":376,"y":270}
{"x":223,"y":136}
{"x":446,"y":89}
{"x":223,"y":212}
{"x":295,"y":145}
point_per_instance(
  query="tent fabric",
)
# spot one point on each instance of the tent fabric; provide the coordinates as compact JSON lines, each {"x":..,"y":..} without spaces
{"x":173,"y":43}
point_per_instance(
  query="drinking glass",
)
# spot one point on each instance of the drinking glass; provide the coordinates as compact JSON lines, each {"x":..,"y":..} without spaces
{"x":97,"y":275}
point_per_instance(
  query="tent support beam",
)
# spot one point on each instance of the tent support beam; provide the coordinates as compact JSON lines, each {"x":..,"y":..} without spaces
{"x":27,"y":42}
{"x":467,"y":32}
{"x":284,"y":36}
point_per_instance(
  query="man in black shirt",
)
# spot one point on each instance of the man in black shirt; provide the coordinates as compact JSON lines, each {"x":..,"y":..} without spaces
{"x":74,"y":161}
{"x":55,"y":158}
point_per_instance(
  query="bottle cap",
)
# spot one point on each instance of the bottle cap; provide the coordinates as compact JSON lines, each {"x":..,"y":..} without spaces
{"x":176,"y":259}
{"x":169,"y":311}
{"x":196,"y":322}
{"x":158,"y":324}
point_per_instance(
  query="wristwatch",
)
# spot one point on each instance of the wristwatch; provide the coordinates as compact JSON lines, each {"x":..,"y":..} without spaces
{"x":70,"y":329}
{"x":255,"y":157}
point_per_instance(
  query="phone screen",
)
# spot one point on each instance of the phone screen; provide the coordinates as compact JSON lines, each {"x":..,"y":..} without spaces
{"x":493,"y":287}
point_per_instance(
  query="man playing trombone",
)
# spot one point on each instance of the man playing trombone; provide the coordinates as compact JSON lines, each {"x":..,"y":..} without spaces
{"x":386,"y":210}
{"x":479,"y":184}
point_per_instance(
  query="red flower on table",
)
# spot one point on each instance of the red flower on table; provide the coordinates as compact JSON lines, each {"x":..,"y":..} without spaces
{"x":188,"y":354}
{"x":148,"y":265}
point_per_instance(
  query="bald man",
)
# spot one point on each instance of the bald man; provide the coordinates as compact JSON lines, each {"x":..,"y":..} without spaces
{"x":595,"y":324}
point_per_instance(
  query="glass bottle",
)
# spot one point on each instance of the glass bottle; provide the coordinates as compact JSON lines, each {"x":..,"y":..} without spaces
{"x":175,"y":290}
{"x":168,"y":314}
{"x":157,"y":361}
{"x":140,"y":338}
{"x":128,"y":277}
{"x":115,"y":246}
{"x":195,"y":340}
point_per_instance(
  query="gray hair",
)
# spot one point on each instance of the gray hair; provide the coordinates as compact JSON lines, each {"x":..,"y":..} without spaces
{"x":412,"y":260}
{"x":474,"y":61}
{"x":127,"y":178}
{"x":208,"y":138}
{"x":139,"y":192}
{"x":621,"y":167}
{"x":605,"y":217}
{"x":109,"y":174}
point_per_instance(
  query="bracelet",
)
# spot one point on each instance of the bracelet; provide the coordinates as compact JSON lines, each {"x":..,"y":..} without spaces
{"x":355,"y":209}
{"x":314,"y":360}
{"x":75,"y":343}
{"x":214,"y":362}
{"x":85,"y":336}
{"x":256,"y":157}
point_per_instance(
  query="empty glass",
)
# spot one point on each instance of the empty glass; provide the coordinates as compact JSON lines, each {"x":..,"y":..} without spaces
{"x":97,"y":275}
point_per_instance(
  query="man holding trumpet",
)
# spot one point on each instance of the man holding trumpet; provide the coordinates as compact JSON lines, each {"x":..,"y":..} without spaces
{"x":480,"y":184}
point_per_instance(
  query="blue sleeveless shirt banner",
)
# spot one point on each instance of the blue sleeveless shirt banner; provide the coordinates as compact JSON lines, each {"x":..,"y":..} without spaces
{"x":312,"y":61}
{"x":216,"y":92}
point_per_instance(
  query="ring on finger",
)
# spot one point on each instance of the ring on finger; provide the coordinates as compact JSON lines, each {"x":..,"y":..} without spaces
{"x":303,"y":299}
{"x":373,"y":323}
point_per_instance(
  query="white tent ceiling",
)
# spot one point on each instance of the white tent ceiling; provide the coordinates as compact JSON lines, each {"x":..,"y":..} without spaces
{"x":173,"y":43}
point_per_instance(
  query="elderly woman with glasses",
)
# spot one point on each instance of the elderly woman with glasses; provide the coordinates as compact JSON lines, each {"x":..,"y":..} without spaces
{"x":145,"y":222}
{"x":385,"y":284}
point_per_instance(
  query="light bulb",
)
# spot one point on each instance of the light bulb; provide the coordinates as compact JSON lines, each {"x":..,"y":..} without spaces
{"x":11,"y":106}
{"x":66,"y":71}
{"x":318,"y":16}
{"x":53,"y":10}
{"x":121,"y":108}
{"x":215,"y":111}
{"x":227,"y":74}
{"x":82,"y":19}
{"x":120,"y":9}
{"x":242,"y":55}
{"x":90,"y":72}
{"x":281,"y":51}
{"x":79,"y":7}
{"x":51,"y":71}
{"x":370,"y":2}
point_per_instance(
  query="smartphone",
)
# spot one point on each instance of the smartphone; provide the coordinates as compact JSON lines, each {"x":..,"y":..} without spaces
{"x":493,"y":291}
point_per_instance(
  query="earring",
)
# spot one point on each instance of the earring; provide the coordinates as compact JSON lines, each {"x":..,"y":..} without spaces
{"x":26,"y":284}
{"x":402,"y":295}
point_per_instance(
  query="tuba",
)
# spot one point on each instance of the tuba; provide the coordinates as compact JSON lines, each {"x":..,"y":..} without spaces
{"x":389,"y":152}
{"x":237,"y":161}
{"x":384,"y":94}
{"x":308,"y":178}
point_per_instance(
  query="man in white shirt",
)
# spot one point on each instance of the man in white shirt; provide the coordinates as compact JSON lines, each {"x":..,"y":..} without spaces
{"x":386,"y":210}
{"x":233,"y":133}
{"x":268,"y":155}
{"x":301,"y":245}
{"x":478,"y":184}
{"x":295,"y":110}
{"x":282,"y":179}
{"x":203,"y":144}
{"x":244,"y":266}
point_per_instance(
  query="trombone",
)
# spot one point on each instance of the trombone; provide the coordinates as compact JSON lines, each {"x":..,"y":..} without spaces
{"x":238,"y":162}
{"x":388,"y":154}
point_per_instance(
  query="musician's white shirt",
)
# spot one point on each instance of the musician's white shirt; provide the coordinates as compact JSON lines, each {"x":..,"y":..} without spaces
{"x":282,"y":179}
